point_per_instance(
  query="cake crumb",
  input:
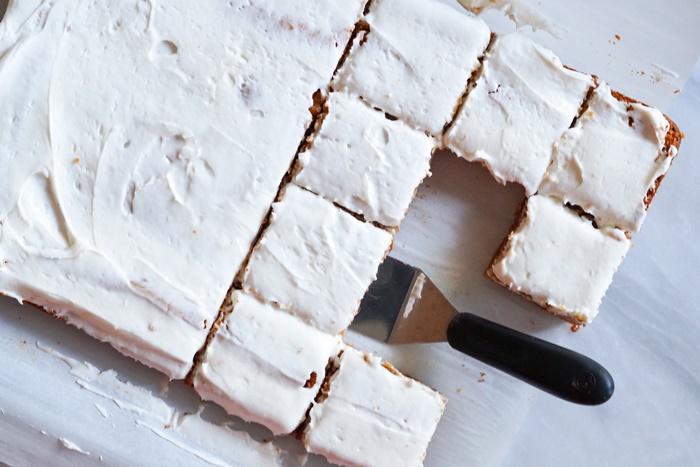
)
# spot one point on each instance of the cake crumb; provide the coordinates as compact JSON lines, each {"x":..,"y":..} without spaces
{"x":311,"y":382}
{"x":617,"y":36}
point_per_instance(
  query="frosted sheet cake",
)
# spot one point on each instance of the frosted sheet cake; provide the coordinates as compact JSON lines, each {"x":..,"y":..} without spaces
{"x":160,"y":154}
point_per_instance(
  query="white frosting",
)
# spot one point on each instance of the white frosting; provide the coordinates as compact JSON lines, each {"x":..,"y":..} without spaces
{"x":364,"y":162}
{"x":216,"y":445}
{"x":258,"y":365}
{"x":414,"y":295}
{"x":316,"y":260}
{"x":416,"y":60}
{"x":71,"y":446}
{"x":373,"y":417}
{"x":609,"y":160}
{"x":522,"y":103}
{"x":560,"y":260}
{"x":137,"y":165}
{"x":519,"y":11}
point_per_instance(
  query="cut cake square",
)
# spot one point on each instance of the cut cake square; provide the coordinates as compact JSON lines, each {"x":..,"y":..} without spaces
{"x":372,"y":415}
{"x":315,"y":260}
{"x":365,"y":162}
{"x":559,"y":260}
{"x":264,"y":365}
{"x":129,"y":206}
{"x":415,"y":61}
{"x":612,"y":161}
{"x":521,"y":103}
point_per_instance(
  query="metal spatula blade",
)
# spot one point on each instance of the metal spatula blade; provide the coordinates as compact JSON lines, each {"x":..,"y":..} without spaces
{"x":403,"y":306}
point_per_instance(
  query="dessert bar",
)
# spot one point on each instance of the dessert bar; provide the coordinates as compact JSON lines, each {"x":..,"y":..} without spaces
{"x":415,"y":60}
{"x":368,"y":407}
{"x":315,"y":260}
{"x":365,"y":162}
{"x":613,"y":159}
{"x":264,"y":365}
{"x":559,"y":260}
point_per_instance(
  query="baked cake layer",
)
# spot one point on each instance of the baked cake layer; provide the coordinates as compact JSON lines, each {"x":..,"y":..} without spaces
{"x":415,"y":61}
{"x":559,"y":260}
{"x":522,"y":102}
{"x":138,"y":166}
{"x":365,"y":162}
{"x":372,"y":415}
{"x":610,"y":160}
{"x":264,"y":365}
{"x":315,"y":260}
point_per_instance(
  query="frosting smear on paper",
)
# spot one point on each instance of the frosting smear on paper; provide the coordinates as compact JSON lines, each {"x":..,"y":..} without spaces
{"x":520,"y":13}
{"x":214,"y":444}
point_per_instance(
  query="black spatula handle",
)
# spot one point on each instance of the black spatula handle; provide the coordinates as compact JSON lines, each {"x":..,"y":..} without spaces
{"x":546,"y":366}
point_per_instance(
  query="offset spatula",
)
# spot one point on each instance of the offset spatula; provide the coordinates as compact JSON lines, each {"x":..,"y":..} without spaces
{"x":403,"y":306}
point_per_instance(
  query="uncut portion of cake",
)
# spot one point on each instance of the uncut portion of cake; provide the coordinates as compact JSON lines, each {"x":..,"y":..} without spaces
{"x":264,"y":365}
{"x":612,"y":161}
{"x":315,"y":260}
{"x":559,"y":260}
{"x":138,"y":167}
{"x":371,"y":415}
{"x":365,"y":162}
{"x":521,"y":103}
{"x":415,"y":61}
